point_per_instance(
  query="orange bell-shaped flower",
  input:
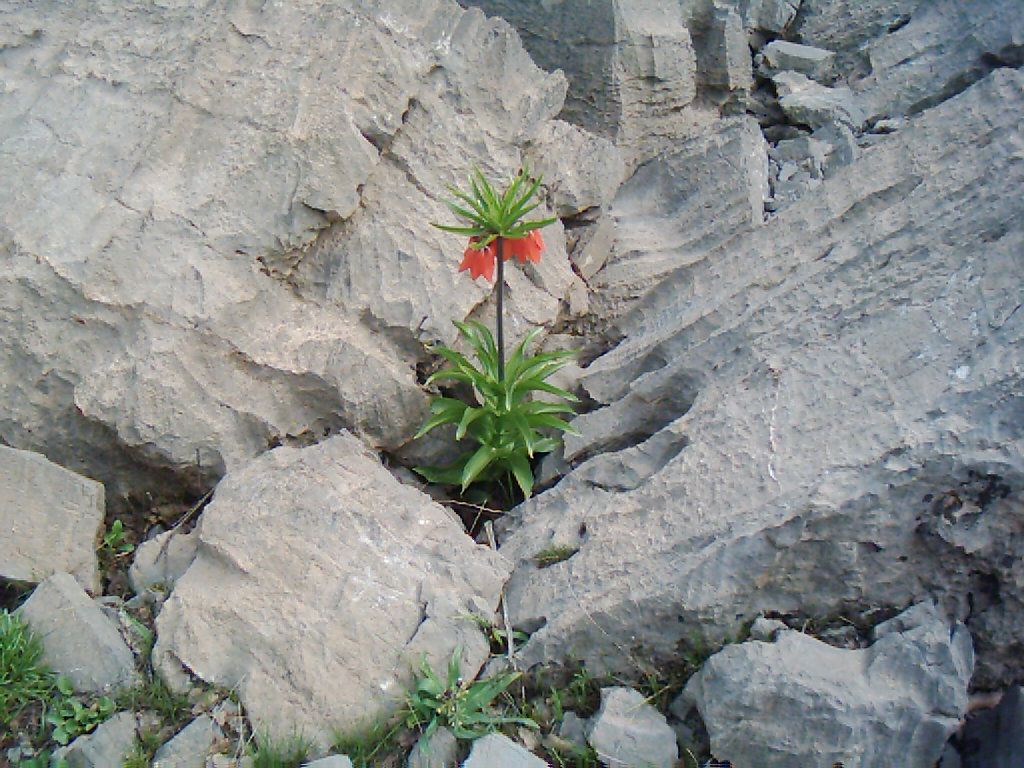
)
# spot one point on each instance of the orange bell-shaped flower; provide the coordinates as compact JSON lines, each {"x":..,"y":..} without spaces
{"x":479,"y":261}
{"x":528,"y":248}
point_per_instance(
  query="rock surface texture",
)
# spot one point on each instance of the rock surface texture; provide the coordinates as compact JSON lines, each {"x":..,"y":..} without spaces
{"x":215,"y":221}
{"x":832,"y":399}
{"x":318,"y":582}
{"x":50,"y":519}
{"x":627,"y":732}
{"x":798,"y":701}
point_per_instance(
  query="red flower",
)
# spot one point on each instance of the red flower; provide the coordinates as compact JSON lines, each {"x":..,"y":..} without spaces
{"x":525,"y":249}
{"x":479,"y":261}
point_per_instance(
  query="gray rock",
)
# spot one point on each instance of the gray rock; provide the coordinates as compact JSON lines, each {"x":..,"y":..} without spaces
{"x":217,"y":225}
{"x":798,"y":701}
{"x":766,"y":629}
{"x":79,"y":642}
{"x":319,"y":580}
{"x":107,"y":746}
{"x":841,"y":143}
{"x":781,"y":55}
{"x":770,"y":15}
{"x":159,"y":562}
{"x":580,"y":170}
{"x":723,"y":56}
{"x":677,"y":206}
{"x":812,"y":429}
{"x":440,"y":751}
{"x":995,"y":738}
{"x":494,"y":750}
{"x":190,"y":747}
{"x":574,"y":729}
{"x":50,"y":518}
{"x":628,"y":732}
{"x":331,"y":761}
{"x":631,"y":66}
{"x":937,"y":52}
{"x":805,"y":102}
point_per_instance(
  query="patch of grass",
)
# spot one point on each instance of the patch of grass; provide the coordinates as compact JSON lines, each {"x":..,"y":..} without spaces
{"x":290,"y":753}
{"x":380,"y":744}
{"x":554,"y":553}
{"x":24,"y":679}
{"x":173,"y":709}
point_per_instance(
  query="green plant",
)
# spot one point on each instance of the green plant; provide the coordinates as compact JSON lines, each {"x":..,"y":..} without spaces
{"x":496,"y":636}
{"x":506,"y":423}
{"x":290,"y":753}
{"x":554,"y":553}
{"x":462,"y":707}
{"x":154,"y":695}
{"x":42,"y":760}
{"x":113,"y":541}
{"x":23,"y":677}
{"x":367,"y":747}
{"x":72,"y":716}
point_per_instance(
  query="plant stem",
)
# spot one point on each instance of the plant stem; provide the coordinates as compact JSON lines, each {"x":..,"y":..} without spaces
{"x":500,"y":311}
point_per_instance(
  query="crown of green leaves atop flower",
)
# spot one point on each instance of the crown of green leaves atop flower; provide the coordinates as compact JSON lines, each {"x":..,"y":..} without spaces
{"x":492,"y":215}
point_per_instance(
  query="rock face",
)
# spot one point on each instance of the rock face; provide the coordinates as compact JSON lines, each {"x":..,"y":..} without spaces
{"x":318,"y":582}
{"x":50,"y":519}
{"x":798,"y":701}
{"x":79,"y":642}
{"x":823,"y":416}
{"x":215,"y":222}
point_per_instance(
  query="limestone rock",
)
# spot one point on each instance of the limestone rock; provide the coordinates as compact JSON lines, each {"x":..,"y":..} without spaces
{"x":805,"y":102}
{"x":677,"y":207}
{"x":820,"y":415}
{"x":627,"y":732}
{"x":331,"y":761}
{"x":107,"y":746}
{"x":318,"y":582}
{"x":494,"y":749}
{"x":79,"y":641}
{"x":781,"y":55}
{"x":216,"y":223}
{"x":50,"y":519}
{"x":995,"y":738}
{"x":190,"y":747}
{"x":770,"y":15}
{"x":798,"y":701}
{"x":159,"y":562}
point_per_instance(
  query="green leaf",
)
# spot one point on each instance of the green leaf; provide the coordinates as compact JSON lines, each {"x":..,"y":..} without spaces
{"x":522,"y":473}
{"x":468,"y":417}
{"x":449,"y":411}
{"x":552,"y":422}
{"x":453,"y":667}
{"x":470,"y":231}
{"x":477,"y":463}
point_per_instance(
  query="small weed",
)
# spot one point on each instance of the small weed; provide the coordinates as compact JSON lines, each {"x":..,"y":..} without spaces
{"x":496,"y":636}
{"x":23,"y":678}
{"x":573,"y":757}
{"x":554,"y":553}
{"x":153,"y":694}
{"x":465,"y":708}
{"x":71,"y":715}
{"x":114,"y":542}
{"x":291,"y":753}
{"x":43,"y":760}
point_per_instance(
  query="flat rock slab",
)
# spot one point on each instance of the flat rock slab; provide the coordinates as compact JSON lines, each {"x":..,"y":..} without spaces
{"x":798,"y":701}
{"x":79,"y":641}
{"x":107,"y":746}
{"x":318,"y":583}
{"x":628,"y":732}
{"x":494,"y":750}
{"x":50,"y":519}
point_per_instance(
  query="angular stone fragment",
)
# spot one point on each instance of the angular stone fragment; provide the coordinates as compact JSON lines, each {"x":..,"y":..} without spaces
{"x":781,"y":55}
{"x":79,"y":642}
{"x":50,"y":519}
{"x":805,"y":102}
{"x":107,"y":746}
{"x":158,"y":562}
{"x":331,"y":761}
{"x":319,"y":582}
{"x":495,"y":750}
{"x":190,"y":747}
{"x":627,"y":731}
{"x":440,"y":751}
{"x":798,"y":701}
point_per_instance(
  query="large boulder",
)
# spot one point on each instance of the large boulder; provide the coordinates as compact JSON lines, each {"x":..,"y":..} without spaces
{"x":318,"y":583}
{"x":798,"y":701}
{"x":823,"y":416}
{"x":50,"y":518}
{"x":215,"y":221}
